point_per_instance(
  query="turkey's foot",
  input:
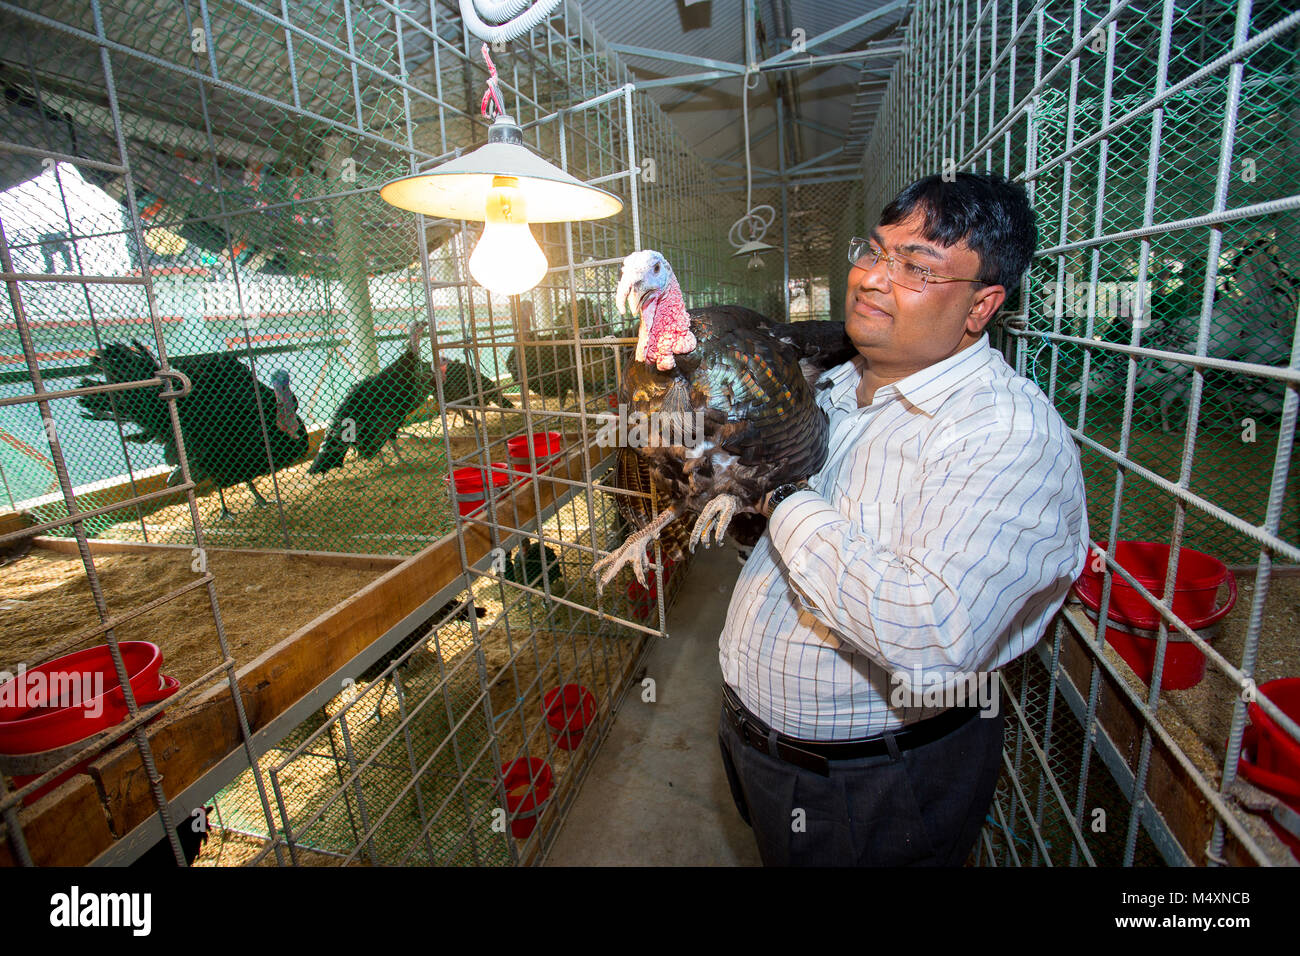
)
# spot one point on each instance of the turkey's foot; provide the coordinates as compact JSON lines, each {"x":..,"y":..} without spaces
{"x":715,"y":517}
{"x":633,"y":551}
{"x":226,"y":513}
{"x":257,"y":497}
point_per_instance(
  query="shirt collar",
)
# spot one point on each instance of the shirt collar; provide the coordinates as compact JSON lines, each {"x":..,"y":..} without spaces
{"x":924,"y":389}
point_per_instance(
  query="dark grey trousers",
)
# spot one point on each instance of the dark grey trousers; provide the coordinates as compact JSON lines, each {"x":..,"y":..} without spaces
{"x":923,"y":808}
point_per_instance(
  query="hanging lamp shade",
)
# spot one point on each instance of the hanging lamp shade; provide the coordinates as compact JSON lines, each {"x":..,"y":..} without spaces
{"x":752,"y":247}
{"x":459,"y":189}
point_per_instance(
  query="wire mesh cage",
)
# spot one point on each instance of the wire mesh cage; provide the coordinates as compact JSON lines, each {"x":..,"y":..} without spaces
{"x":262,"y":355}
{"x":1160,"y":314}
{"x":218,"y":336}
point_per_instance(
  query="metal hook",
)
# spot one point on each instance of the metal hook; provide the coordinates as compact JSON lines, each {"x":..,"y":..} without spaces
{"x":180,"y":378}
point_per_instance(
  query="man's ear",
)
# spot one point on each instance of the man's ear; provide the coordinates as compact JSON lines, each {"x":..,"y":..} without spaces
{"x":985,"y":305}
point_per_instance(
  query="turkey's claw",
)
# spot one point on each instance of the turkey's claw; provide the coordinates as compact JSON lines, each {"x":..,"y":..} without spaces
{"x":716,"y":517}
{"x":633,"y":550}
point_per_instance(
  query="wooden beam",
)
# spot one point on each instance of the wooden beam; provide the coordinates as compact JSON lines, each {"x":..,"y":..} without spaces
{"x":1169,"y":786}
{"x":50,"y":839}
{"x":11,"y":521}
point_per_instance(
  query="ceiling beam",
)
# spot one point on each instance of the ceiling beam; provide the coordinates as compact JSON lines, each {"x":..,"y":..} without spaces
{"x":836,"y":31}
{"x":815,"y":160}
{"x":684,"y":79}
{"x":721,"y":65}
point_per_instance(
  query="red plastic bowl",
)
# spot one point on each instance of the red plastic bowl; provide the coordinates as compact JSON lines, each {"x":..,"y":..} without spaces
{"x":528,"y":783}
{"x":1277,"y":752}
{"x":471,"y":485}
{"x":569,"y":710}
{"x":545,"y":446}
{"x":92,"y":701}
{"x":1184,"y":662}
{"x":1196,"y":586}
{"x":1270,"y":758}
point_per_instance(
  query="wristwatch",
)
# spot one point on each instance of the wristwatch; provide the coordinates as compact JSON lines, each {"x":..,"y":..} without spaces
{"x":784,"y":491}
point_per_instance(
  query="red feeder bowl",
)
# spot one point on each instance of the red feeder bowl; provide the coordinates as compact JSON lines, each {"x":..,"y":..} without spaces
{"x":528,"y":783}
{"x":643,"y":597}
{"x":1270,"y":758}
{"x":1133,"y":623}
{"x":545,"y":447}
{"x":89,"y":700}
{"x":471,"y":485}
{"x":568,"y":710}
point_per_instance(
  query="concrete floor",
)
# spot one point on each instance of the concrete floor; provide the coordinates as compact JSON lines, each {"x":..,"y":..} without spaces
{"x":656,"y":794}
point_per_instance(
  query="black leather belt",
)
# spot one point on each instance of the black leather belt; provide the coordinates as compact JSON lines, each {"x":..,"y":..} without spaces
{"x":815,"y":755}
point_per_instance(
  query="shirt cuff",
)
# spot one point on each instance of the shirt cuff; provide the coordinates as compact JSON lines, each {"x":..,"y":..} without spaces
{"x":798,"y":518}
{"x":794,"y":522}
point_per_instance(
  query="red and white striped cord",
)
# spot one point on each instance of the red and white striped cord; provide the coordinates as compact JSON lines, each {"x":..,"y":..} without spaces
{"x":492,"y":95}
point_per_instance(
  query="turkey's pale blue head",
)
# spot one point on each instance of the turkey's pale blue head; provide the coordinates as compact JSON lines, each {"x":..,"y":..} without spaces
{"x":646,"y":276}
{"x":286,"y":403}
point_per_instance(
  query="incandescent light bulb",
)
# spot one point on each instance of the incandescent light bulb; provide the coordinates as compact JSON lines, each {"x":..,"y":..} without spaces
{"x":507,"y":259}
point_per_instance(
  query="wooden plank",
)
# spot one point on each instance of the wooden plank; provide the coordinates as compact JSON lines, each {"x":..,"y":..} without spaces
{"x":1170,"y":788}
{"x":365,"y":562}
{"x":186,"y":744}
{"x":67,"y":824}
{"x":11,"y":521}
{"x":193,"y":739}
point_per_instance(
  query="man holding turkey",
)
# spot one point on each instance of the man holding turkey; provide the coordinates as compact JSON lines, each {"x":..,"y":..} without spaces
{"x":860,"y":723}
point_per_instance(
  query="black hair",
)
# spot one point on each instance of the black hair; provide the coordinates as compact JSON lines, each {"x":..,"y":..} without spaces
{"x":991,"y":213}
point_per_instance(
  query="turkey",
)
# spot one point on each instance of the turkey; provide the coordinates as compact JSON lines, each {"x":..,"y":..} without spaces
{"x":746,"y":379}
{"x":221,"y":418}
{"x":370,"y":415}
{"x":460,"y":382}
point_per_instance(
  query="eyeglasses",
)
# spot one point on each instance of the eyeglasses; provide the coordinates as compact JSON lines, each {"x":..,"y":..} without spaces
{"x":864,"y":254}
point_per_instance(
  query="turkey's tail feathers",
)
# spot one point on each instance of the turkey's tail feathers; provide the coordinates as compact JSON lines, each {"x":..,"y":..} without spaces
{"x":633,"y":474}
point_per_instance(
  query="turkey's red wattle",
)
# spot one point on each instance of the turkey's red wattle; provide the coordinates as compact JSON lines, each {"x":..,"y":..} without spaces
{"x":670,"y":331}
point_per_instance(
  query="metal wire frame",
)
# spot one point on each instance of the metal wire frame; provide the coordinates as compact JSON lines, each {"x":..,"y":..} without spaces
{"x":578,"y":104}
{"x":967,"y":96}
{"x":9,"y":801}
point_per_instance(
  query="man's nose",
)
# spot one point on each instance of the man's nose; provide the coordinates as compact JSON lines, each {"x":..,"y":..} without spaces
{"x":873,"y":276}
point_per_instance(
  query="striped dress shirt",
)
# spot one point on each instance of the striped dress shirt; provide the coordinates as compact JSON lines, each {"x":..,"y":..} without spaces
{"x":937,"y":541}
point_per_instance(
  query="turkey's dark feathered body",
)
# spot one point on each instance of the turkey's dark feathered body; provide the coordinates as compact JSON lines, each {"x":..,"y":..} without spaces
{"x":376,"y":406}
{"x":459,"y":382}
{"x":751,"y":378}
{"x":632,"y":472}
{"x":220,"y":418}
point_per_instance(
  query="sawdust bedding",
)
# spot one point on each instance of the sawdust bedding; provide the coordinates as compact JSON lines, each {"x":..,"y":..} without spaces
{"x":45,"y":599}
